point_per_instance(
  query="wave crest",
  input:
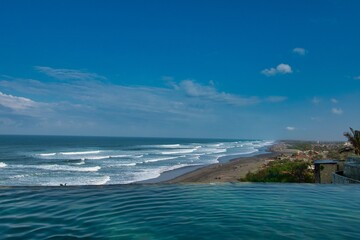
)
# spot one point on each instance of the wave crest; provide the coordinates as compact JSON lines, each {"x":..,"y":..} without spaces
{"x":56,"y":167}
{"x":2,"y":165}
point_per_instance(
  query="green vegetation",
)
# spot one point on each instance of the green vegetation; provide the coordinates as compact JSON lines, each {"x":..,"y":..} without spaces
{"x":297,"y":171}
{"x":354,"y":138}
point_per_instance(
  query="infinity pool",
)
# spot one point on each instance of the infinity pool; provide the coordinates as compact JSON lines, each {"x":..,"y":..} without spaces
{"x":223,"y":211}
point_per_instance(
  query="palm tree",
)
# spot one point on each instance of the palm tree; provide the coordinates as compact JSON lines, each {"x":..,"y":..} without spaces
{"x":354,"y":138}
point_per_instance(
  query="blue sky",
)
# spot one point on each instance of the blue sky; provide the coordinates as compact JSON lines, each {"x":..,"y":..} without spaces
{"x":223,"y":69}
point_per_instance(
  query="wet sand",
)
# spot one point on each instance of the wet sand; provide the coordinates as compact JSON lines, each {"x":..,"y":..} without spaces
{"x":233,"y":170}
{"x":225,"y":172}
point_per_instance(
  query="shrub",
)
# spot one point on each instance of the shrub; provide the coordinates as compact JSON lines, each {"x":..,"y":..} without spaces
{"x":283,"y":171}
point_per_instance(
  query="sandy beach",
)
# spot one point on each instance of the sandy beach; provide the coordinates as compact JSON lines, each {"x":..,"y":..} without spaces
{"x":231,"y":171}
{"x":235,"y":169}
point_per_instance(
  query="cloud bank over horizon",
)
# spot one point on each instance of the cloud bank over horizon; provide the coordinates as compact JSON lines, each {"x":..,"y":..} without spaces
{"x":238,"y":69}
{"x":96,"y":107}
{"x":90,"y":103}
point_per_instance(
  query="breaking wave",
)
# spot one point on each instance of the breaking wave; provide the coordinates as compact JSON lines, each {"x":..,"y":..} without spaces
{"x":89,"y":165}
{"x":159,"y":159}
{"x":80,"y":153}
{"x":56,"y":167}
{"x":2,"y":165}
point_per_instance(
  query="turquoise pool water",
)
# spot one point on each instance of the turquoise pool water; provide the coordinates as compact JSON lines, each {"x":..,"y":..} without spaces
{"x":224,"y":211}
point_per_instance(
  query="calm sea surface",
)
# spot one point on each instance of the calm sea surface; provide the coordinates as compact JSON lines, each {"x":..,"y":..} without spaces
{"x":224,"y":211}
{"x":55,"y":160}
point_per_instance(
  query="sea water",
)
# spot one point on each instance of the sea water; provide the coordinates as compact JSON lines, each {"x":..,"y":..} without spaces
{"x":200,"y":211}
{"x":55,"y":160}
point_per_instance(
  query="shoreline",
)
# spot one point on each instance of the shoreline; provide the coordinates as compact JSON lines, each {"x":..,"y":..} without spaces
{"x":226,"y":170}
{"x":230,"y":171}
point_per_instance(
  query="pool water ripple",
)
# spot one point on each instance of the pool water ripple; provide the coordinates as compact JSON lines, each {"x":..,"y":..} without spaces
{"x":224,"y":211}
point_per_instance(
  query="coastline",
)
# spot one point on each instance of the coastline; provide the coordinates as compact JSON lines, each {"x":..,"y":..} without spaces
{"x":230,"y":168}
{"x":230,"y":171}
{"x":227,"y":170}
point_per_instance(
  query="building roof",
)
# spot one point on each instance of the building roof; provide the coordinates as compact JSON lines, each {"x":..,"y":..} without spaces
{"x":325,"y":162}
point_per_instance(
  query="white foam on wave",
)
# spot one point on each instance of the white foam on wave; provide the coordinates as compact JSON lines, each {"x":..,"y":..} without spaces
{"x":166,"y":169}
{"x":122,"y":164}
{"x":80,"y":153}
{"x":2,"y":165}
{"x":19,"y":176}
{"x":100,"y":181}
{"x":167,"y":146}
{"x":213,"y":150}
{"x":216,"y":145}
{"x":56,"y":167}
{"x":120,"y":156}
{"x":112,"y":156}
{"x":67,"y":155}
{"x":147,"y":174}
{"x":159,"y":159}
{"x":107,"y":157}
{"x":179,"y":151}
{"x":46,"y":154}
{"x":82,"y":162}
{"x":97,"y":157}
{"x":127,"y":164}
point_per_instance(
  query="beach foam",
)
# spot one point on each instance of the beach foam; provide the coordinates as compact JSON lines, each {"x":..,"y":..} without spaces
{"x":123,"y":163}
{"x":97,"y":157}
{"x":159,"y":159}
{"x":147,"y":174}
{"x":2,"y":165}
{"x":19,"y":176}
{"x":56,"y":167}
{"x":127,"y":164}
{"x":179,"y":151}
{"x":82,"y":162}
{"x":46,"y":154}
{"x":80,"y":153}
{"x":167,"y":146}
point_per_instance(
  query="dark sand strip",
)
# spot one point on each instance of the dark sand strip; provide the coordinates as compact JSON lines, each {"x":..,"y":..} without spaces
{"x":225,"y":172}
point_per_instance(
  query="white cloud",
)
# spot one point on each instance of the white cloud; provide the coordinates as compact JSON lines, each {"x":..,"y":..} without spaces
{"x":16,"y":103}
{"x":334,"y":100}
{"x":194,"y":89}
{"x":337,"y":111}
{"x":280,"y":69}
{"x":68,"y":74}
{"x":69,"y":105}
{"x":316,"y":100}
{"x":290,"y":128}
{"x":300,"y":51}
{"x":357,"y":78}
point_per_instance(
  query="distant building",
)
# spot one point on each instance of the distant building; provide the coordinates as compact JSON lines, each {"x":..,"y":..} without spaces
{"x":324,"y":170}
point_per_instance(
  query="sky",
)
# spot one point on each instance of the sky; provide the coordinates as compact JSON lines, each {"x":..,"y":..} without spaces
{"x":253,"y":69}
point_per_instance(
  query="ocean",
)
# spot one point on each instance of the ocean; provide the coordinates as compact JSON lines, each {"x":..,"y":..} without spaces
{"x":55,"y":160}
